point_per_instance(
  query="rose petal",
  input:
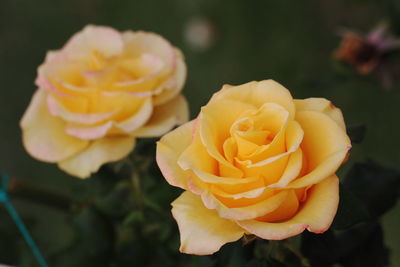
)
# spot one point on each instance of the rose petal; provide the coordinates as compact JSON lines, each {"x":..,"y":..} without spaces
{"x":316,"y":215}
{"x":244,"y":212}
{"x":292,"y":136}
{"x":169,"y":148}
{"x":291,"y":172}
{"x":325,"y":169}
{"x":202,"y":231}
{"x":127,"y":126}
{"x":216,"y":119}
{"x":323,"y":105}
{"x":103,"y":39}
{"x":138,"y":43}
{"x":196,"y":157}
{"x":165,"y":117}
{"x":174,"y":84}
{"x":148,"y":68}
{"x":57,"y":109}
{"x":325,"y":146}
{"x":43,"y":135}
{"x":99,"y":152}
{"x":259,"y":93}
{"x":286,"y":210}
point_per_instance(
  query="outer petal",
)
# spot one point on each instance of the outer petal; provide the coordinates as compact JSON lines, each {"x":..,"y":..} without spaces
{"x":127,"y":126}
{"x":316,"y":215}
{"x":325,"y":146}
{"x":99,"y":152}
{"x":138,"y":43}
{"x":43,"y":134}
{"x":103,"y":39}
{"x":169,"y":149}
{"x":165,"y":117}
{"x":259,"y":93}
{"x":202,"y":230}
{"x":175,"y":84}
{"x":323,"y":105}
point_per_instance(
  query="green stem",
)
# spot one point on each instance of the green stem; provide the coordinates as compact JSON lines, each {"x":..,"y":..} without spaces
{"x":20,"y":224}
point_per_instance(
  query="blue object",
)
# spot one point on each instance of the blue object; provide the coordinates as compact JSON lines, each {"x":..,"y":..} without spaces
{"x":18,"y":221}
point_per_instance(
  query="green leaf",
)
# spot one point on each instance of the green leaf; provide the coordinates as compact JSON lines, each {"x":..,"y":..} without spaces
{"x":133,"y":218}
{"x":356,"y":132}
{"x":351,"y":210}
{"x":93,"y":244}
{"x":376,"y":186}
{"x":361,"y":245}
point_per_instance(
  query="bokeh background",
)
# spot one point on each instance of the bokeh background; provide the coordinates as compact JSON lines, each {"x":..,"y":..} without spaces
{"x":224,"y":41}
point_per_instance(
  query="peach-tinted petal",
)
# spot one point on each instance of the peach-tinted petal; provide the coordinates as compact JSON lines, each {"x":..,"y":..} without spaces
{"x":215,"y":179}
{"x":216,"y":119}
{"x":323,"y":105}
{"x":103,"y":39}
{"x":325,"y":169}
{"x":165,"y":117}
{"x":325,"y":145}
{"x":126,"y":126}
{"x":169,"y":148}
{"x":286,"y":210}
{"x":174,"y":84}
{"x":57,"y":109}
{"x":139,"y":118}
{"x":98,"y":153}
{"x":145,"y":75}
{"x":259,"y":93}
{"x":316,"y":215}
{"x":292,"y":136}
{"x":245,"y":212}
{"x":202,"y":231}
{"x":43,"y":134}
{"x":138,"y":43}
{"x":196,"y":157}
{"x":271,"y":117}
{"x":292,"y":170}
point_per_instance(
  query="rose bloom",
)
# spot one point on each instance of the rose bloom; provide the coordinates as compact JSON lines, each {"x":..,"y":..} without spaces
{"x":98,"y":93}
{"x":255,"y":161}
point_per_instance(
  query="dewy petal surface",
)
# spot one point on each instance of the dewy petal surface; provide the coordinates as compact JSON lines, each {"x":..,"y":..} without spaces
{"x":44,"y":136}
{"x":202,"y":231}
{"x":99,"y":152}
{"x":169,"y":149}
{"x":316,"y":215}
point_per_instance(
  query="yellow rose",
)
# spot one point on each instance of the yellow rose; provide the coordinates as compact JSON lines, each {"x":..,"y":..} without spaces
{"x":255,"y":161}
{"x":98,"y":93}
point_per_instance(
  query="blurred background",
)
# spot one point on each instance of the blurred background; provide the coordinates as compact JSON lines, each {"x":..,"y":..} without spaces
{"x":224,"y":41}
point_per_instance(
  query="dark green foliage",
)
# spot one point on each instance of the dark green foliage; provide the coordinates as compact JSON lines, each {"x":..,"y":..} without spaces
{"x":376,"y":186}
{"x":356,"y":237}
{"x":361,"y":245}
{"x":356,"y":133}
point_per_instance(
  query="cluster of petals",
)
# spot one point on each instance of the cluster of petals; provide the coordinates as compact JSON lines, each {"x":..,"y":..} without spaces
{"x":254,"y":161}
{"x":100,"y":92}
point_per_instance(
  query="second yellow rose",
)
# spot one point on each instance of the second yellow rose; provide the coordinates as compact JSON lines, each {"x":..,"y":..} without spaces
{"x":98,"y":93}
